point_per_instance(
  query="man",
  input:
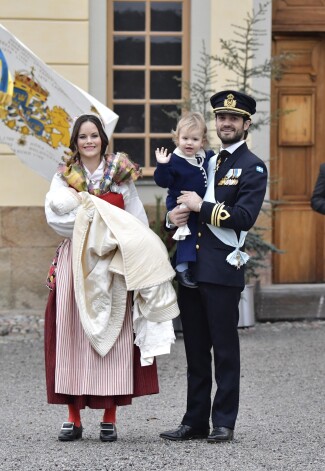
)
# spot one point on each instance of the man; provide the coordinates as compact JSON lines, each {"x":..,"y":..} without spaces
{"x":318,"y":196}
{"x":236,"y":188}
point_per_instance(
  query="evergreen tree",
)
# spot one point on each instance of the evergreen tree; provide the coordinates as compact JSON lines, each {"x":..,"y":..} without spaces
{"x":239,"y":57}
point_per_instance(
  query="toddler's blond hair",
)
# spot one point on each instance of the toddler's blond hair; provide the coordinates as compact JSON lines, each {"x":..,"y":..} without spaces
{"x":191,"y":120}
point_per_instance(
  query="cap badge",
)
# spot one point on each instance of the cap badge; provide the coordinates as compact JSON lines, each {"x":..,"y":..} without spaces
{"x":230,"y":101}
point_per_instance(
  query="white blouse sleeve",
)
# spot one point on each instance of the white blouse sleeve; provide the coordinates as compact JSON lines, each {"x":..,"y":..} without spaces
{"x":132,"y":202}
{"x":62,"y":224}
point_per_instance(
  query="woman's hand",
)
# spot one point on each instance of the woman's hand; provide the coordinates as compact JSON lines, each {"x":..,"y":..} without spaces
{"x":191,"y":199}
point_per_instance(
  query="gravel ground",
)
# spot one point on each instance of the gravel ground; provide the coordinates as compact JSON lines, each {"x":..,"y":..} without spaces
{"x":280,"y":424}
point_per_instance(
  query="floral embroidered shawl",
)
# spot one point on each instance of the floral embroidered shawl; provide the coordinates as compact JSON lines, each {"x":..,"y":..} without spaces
{"x":118,"y":169}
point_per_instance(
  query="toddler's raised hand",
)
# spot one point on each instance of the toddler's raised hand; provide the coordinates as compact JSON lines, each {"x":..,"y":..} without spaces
{"x":161,"y":156}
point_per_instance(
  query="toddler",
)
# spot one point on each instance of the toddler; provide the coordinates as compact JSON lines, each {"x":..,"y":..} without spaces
{"x":185,"y":169}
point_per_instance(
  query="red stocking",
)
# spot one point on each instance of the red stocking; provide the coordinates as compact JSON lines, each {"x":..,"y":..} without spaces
{"x":110,"y":415}
{"x":74,"y":415}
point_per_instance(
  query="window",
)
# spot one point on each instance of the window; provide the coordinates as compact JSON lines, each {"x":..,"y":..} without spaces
{"x":148,"y":49}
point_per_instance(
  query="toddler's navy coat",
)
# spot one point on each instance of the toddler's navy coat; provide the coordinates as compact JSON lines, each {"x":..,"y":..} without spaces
{"x":179,"y":175}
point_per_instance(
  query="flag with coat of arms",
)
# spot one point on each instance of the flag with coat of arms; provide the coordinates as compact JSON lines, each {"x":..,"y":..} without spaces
{"x":38,"y":107}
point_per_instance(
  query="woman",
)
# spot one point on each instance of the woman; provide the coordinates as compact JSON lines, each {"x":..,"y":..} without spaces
{"x":90,"y":355}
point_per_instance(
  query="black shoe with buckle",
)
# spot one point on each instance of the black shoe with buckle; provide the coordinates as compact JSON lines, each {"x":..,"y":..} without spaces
{"x":185,"y":278}
{"x":220,"y":434}
{"x":69,"y":432}
{"x":185,"y":432}
{"x":108,"y":432}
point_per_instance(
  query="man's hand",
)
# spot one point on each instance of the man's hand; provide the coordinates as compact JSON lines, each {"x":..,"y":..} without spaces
{"x":161,"y":156}
{"x":179,"y":215}
{"x":191,"y":199}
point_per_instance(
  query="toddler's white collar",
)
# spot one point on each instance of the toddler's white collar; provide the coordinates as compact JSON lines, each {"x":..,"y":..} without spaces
{"x":192,"y":158}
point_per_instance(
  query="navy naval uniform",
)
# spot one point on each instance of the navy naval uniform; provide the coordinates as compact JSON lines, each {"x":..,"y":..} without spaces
{"x":177,"y":175}
{"x":237,"y":182}
{"x":210,"y":313}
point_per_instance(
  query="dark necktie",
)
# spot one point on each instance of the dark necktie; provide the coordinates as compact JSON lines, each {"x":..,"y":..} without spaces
{"x":199,"y":159}
{"x":222,"y":157}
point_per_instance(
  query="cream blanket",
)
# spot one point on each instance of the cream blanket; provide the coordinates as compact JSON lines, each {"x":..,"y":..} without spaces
{"x":114,"y":252}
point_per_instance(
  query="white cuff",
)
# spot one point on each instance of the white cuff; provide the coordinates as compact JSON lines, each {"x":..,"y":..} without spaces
{"x":182,"y":232}
{"x":169,"y":224}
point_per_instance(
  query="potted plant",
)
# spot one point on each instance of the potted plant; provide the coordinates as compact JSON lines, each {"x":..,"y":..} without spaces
{"x":239,"y":56}
{"x":259,"y":249}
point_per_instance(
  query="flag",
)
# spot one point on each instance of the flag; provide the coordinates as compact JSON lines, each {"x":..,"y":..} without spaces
{"x":38,"y":107}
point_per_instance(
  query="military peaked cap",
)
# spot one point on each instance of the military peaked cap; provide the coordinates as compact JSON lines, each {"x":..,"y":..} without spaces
{"x":230,"y":101}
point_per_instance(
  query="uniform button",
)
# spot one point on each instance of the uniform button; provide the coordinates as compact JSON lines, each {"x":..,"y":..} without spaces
{"x":199,"y":234}
{"x":197,"y":247}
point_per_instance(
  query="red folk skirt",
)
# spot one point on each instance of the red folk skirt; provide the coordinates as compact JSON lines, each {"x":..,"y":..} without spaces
{"x":145,"y":378}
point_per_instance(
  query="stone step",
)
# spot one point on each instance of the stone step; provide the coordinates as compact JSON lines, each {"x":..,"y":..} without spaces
{"x":289,"y":302}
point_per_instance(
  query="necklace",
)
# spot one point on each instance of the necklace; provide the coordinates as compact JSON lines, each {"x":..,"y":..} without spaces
{"x":91,"y":182}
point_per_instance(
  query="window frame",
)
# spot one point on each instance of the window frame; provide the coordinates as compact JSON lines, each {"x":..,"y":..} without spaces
{"x":184,"y":68}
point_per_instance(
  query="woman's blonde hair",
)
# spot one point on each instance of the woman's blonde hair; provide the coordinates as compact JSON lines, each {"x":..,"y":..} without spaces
{"x":191,"y":120}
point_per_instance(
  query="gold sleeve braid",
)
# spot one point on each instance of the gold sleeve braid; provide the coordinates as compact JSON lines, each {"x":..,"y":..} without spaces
{"x":219,"y":214}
